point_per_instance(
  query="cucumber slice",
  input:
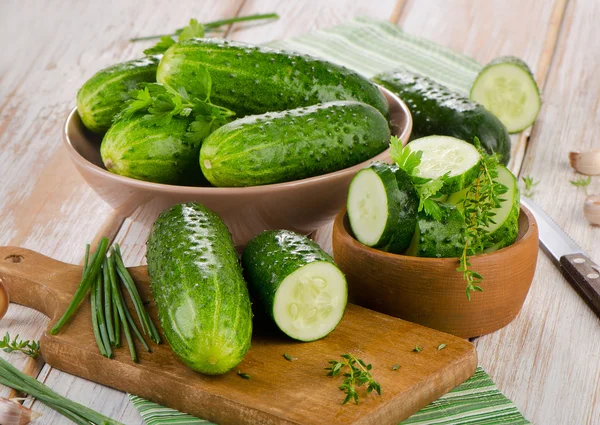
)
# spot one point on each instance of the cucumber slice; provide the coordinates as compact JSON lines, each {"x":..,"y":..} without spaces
{"x":296,"y":283}
{"x":504,"y":230}
{"x":439,"y":239}
{"x":382,"y":207}
{"x":310,"y":302}
{"x":508,"y":89}
{"x":444,"y":154}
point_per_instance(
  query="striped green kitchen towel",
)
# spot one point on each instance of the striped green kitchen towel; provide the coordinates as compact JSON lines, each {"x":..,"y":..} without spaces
{"x":475,"y":402}
{"x":370,"y":47}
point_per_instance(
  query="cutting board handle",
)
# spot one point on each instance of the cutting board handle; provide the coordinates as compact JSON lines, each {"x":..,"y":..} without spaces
{"x":37,"y":281}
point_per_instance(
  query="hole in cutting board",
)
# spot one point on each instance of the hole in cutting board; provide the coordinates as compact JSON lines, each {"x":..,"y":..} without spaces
{"x":15,"y":258}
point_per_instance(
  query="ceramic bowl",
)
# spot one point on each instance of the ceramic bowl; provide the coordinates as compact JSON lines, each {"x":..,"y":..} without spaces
{"x":430,"y":291}
{"x":301,"y":205}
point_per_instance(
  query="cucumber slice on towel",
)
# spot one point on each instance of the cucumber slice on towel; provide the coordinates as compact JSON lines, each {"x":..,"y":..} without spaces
{"x":506,"y":87}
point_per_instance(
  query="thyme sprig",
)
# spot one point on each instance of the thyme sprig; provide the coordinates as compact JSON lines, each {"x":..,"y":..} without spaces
{"x":529,"y":186}
{"x":27,"y":347}
{"x":358,"y":374}
{"x":478,"y":206}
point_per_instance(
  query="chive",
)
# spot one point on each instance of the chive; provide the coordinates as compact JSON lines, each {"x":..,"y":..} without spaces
{"x":117,"y":297}
{"x":95,"y":323}
{"x":17,"y":380}
{"x":99,"y":311}
{"x":146,"y":323}
{"x":132,"y":324}
{"x":88,"y":278}
{"x":108,"y":309}
{"x":86,"y":258}
{"x":212,"y":25}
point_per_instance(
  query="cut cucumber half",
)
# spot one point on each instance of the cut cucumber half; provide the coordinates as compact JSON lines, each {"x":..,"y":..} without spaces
{"x":444,"y":154}
{"x":310,"y":302}
{"x":507,"y":88}
{"x":504,"y":230}
{"x":296,"y":283}
{"x":382,"y":207}
{"x":438,"y":239}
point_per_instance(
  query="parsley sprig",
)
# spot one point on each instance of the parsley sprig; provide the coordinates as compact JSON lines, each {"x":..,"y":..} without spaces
{"x":409,"y":161}
{"x":478,"y":209}
{"x":29,"y":348}
{"x":357,"y":373}
{"x":158,"y":104}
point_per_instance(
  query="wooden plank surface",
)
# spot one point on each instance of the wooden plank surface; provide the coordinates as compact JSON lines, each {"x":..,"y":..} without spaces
{"x":546,"y":360}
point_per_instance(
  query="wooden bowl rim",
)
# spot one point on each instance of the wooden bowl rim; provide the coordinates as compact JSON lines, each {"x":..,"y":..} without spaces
{"x":348,"y":239}
{"x":99,"y":172}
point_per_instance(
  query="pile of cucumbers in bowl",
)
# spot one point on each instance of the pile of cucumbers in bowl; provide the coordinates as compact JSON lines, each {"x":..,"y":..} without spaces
{"x":214,"y":112}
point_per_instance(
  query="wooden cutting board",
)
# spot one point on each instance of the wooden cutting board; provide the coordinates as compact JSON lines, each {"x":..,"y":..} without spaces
{"x":279,"y":391}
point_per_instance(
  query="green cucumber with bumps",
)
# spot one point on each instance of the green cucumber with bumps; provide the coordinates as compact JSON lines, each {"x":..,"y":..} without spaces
{"x":442,"y":238}
{"x":382,"y":207}
{"x":159,"y":154}
{"x":438,"y":111}
{"x":198,"y":286}
{"x":254,"y":80}
{"x":296,"y":283}
{"x":291,"y":145}
{"x":104,"y":95}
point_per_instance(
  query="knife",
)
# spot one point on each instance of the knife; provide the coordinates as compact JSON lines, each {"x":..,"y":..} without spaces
{"x":581,"y":272}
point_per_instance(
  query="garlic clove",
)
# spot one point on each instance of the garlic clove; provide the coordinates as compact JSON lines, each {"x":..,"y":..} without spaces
{"x":14,"y":413}
{"x":4,"y":301}
{"x":591,"y":209}
{"x":587,"y":163}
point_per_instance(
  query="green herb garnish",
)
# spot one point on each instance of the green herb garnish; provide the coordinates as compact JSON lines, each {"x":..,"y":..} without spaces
{"x":417,"y":349}
{"x":243,"y":375}
{"x":409,"y":161}
{"x":198,"y":30}
{"x":288,"y":357}
{"x":358,"y":373}
{"x":529,"y":184}
{"x":478,"y":209}
{"x":19,"y":381}
{"x":27,"y":347}
{"x":395,"y":367}
{"x":441,"y":347}
{"x":582,"y":182}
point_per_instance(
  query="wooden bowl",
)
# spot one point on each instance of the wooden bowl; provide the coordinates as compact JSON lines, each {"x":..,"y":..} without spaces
{"x":430,"y":291}
{"x":301,"y":205}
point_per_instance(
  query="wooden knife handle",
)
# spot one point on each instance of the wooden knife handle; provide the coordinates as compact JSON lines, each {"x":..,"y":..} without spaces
{"x":584,"y":275}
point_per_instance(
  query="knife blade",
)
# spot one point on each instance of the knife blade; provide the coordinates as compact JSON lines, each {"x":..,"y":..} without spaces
{"x":574,"y":263}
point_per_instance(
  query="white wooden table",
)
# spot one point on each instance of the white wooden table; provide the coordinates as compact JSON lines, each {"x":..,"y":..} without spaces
{"x":547,"y":360}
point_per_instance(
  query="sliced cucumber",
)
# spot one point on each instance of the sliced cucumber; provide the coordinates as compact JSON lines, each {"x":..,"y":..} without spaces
{"x":508,"y":89}
{"x":382,"y":207}
{"x":504,"y":230}
{"x":444,"y":154}
{"x":296,"y":283}
{"x":439,"y":239}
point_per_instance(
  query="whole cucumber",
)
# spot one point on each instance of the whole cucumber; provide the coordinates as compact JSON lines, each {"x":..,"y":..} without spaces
{"x":197,"y":283}
{"x":104,"y":95}
{"x":159,"y":154}
{"x":438,"y":111}
{"x":253,"y":80}
{"x":296,"y":283}
{"x":292,"y":145}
